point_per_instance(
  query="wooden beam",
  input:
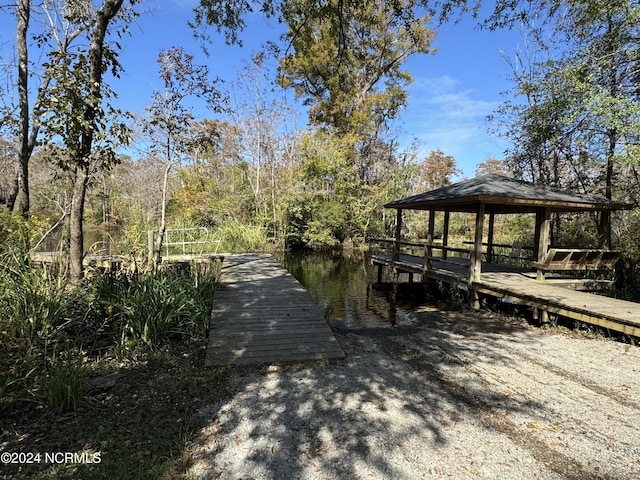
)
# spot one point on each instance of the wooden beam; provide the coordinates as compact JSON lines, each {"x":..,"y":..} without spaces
{"x":476,"y":268}
{"x":428,"y":250}
{"x":432,"y":225}
{"x":475,"y":264}
{"x":396,"y":247}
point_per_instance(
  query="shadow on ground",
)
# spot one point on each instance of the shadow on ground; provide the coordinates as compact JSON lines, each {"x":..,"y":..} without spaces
{"x":359,"y":417}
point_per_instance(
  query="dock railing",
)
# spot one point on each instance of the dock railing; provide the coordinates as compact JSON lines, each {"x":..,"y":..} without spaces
{"x":417,"y":256}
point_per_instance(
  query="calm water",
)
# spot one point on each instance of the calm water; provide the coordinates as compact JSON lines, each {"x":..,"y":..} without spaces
{"x":345,"y":290}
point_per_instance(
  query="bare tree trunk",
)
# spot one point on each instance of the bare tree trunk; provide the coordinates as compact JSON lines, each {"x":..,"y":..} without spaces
{"x":22,"y":198}
{"x":163,"y":218}
{"x":76,"y":235}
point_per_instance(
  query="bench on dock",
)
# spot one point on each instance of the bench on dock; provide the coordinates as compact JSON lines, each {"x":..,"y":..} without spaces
{"x":571,"y":259}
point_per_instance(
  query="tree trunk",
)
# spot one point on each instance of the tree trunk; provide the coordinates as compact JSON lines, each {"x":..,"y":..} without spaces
{"x":163,"y":217}
{"x":21,"y":204}
{"x":82,"y":156}
{"x":76,"y":235}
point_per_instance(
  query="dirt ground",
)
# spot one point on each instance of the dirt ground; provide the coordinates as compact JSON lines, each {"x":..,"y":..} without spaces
{"x":454,"y":395}
{"x":451,"y":394}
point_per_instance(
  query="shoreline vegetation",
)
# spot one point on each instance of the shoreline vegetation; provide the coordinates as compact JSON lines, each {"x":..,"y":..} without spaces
{"x":82,"y":367}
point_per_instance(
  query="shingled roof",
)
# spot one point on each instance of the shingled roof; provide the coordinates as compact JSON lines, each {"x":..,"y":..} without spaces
{"x":503,"y":195}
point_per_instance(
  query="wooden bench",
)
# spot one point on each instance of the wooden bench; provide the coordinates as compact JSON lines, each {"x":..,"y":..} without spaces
{"x":569,"y":259}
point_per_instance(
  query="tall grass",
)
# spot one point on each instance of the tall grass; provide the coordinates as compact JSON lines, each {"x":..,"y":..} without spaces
{"x":239,"y":237}
{"x":151,"y":308}
{"x":66,"y":386}
{"x":44,"y":319}
{"x":32,"y":305}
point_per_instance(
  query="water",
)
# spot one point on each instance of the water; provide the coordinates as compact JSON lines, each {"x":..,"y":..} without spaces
{"x":345,"y":289}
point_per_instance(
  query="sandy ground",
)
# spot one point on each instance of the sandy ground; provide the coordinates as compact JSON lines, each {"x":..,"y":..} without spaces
{"x":457,"y":395}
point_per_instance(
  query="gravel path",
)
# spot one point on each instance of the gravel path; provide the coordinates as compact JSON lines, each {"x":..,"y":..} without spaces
{"x":457,"y":395}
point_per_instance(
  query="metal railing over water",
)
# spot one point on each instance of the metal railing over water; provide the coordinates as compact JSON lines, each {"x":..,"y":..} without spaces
{"x":186,"y":241}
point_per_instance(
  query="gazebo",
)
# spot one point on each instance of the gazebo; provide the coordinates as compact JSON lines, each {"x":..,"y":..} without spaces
{"x":489,"y":195}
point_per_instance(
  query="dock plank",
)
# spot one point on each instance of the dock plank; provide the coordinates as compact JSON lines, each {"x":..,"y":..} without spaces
{"x":263,"y":315}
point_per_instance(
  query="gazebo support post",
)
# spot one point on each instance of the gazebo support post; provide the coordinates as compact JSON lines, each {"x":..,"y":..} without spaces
{"x":492,"y":219}
{"x":430,"y":233}
{"x":396,"y":251}
{"x":475,"y":264}
{"x":398,"y":237}
{"x":542,"y":236}
{"x":445,"y":234}
{"x":428,"y":249}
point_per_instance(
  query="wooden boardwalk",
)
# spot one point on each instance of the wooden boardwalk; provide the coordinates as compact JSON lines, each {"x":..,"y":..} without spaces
{"x":262,"y":314}
{"x":619,"y":315}
{"x":520,"y":286}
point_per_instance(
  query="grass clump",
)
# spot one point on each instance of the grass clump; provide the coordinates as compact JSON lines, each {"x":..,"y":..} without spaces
{"x":150,"y":308}
{"x":44,"y":318}
{"x":240,"y":237}
{"x":66,"y":386}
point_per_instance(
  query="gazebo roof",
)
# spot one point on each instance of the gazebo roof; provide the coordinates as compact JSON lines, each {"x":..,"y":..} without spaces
{"x":503,"y":195}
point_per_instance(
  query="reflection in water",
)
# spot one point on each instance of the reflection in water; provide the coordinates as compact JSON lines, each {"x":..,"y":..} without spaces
{"x":344,"y":288}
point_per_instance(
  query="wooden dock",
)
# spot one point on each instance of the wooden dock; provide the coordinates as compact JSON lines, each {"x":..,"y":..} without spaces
{"x":262,"y":314}
{"x":611,"y":313}
{"x":520,"y":286}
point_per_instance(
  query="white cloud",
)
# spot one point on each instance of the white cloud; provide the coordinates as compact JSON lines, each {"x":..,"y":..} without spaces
{"x":443,"y":113}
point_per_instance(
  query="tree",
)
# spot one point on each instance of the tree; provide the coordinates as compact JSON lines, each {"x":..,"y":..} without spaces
{"x":72,"y":110}
{"x":170,"y":118}
{"x":493,"y":165}
{"x":436,"y":170}
{"x":340,"y":53}
{"x":263,"y":122}
{"x":61,"y":24}
{"x":582,"y":109}
{"x":23,"y":10}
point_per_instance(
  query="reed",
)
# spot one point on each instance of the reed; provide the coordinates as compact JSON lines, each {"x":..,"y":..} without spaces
{"x":151,"y":308}
{"x":32,"y":305}
{"x":46,"y":324}
{"x":239,"y":237}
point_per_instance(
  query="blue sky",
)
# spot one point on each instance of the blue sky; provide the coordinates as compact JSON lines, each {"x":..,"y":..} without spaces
{"x":453,"y":92}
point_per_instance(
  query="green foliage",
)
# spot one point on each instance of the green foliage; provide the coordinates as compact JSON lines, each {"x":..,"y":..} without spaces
{"x":66,"y":386}
{"x":16,"y":232}
{"x":515,"y":229}
{"x":32,"y":305}
{"x":242,"y":237}
{"x":342,"y":51}
{"x":148,"y":309}
{"x":46,"y":324}
{"x":579,"y":108}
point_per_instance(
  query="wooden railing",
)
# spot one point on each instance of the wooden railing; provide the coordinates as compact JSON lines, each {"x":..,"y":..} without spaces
{"x":392,"y":249}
